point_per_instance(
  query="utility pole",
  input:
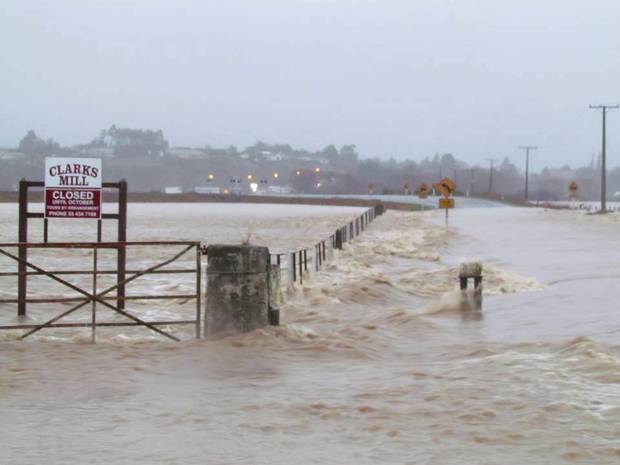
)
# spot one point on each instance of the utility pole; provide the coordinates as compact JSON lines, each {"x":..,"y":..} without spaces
{"x":527,"y":149}
{"x":603,"y":150}
{"x":492,"y":160}
{"x":471,"y":182}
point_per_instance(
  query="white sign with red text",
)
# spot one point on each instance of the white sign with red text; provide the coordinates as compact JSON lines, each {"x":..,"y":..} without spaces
{"x":73,"y":188}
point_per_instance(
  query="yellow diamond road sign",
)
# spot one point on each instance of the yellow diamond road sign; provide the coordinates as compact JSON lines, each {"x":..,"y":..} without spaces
{"x":423,"y":191}
{"x":445,"y":187}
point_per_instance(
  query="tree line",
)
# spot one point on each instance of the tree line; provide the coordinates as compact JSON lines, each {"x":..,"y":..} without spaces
{"x":145,"y":159}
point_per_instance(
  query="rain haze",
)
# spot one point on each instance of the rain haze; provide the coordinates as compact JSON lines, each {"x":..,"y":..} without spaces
{"x":309,"y":232}
{"x":396,"y":78}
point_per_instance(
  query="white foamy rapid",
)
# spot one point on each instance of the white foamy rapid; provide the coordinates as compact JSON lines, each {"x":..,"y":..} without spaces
{"x":375,"y":363}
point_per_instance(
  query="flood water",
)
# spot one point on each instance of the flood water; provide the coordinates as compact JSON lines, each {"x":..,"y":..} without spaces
{"x":375,"y":362}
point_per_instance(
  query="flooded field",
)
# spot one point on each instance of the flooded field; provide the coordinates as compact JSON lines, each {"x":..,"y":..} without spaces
{"x":374,"y":363}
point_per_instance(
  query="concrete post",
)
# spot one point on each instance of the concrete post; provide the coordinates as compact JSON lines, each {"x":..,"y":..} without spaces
{"x":472,"y":270}
{"x":237,"y":289}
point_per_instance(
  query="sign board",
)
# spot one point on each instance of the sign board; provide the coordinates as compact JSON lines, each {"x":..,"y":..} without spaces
{"x":573,"y":188}
{"x":422,"y":191}
{"x":73,"y":188}
{"x":446,"y":203}
{"x":445,"y":187}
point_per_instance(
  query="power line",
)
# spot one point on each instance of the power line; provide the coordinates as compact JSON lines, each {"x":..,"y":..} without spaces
{"x":604,"y":109}
{"x":527,"y":149}
{"x":492,"y":160}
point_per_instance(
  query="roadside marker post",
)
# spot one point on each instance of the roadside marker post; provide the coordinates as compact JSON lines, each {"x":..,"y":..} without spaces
{"x":573,"y":187}
{"x":422,"y":192}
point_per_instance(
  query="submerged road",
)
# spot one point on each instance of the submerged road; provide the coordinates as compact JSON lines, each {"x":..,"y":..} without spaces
{"x":374,"y":362}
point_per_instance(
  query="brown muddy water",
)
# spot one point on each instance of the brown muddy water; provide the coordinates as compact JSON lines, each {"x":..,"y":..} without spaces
{"x":375,"y":363}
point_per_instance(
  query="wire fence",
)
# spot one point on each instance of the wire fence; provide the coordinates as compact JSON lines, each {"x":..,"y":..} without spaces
{"x":99,"y":287}
{"x":295,"y":264}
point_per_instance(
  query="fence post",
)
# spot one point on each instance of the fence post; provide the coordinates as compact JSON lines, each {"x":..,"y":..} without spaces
{"x":121,"y":257}
{"x":275,"y":294}
{"x":94,"y":304}
{"x":291,"y":269}
{"x":23,"y":250}
{"x":198,"y":289}
{"x":339,"y":239}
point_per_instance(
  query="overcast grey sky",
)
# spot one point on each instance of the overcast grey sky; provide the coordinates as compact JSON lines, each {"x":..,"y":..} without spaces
{"x":397,"y":78}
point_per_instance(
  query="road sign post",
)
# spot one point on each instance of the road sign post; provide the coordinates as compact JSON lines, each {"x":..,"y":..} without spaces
{"x":422,"y":193}
{"x":573,"y":187}
{"x":446,"y":187}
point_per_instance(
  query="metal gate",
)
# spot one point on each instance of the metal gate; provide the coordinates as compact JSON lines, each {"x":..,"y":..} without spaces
{"x":101,"y":297}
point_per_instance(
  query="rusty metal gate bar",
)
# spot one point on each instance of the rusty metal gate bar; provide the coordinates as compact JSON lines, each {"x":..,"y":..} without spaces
{"x":96,"y":297}
{"x":99,"y":297}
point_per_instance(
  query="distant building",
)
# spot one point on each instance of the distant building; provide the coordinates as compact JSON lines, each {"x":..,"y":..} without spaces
{"x":207,"y":190}
{"x":97,"y":152}
{"x":185,"y":152}
{"x":279,"y":190}
{"x":173,"y":190}
{"x":11,"y":155}
{"x":276,"y":157}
